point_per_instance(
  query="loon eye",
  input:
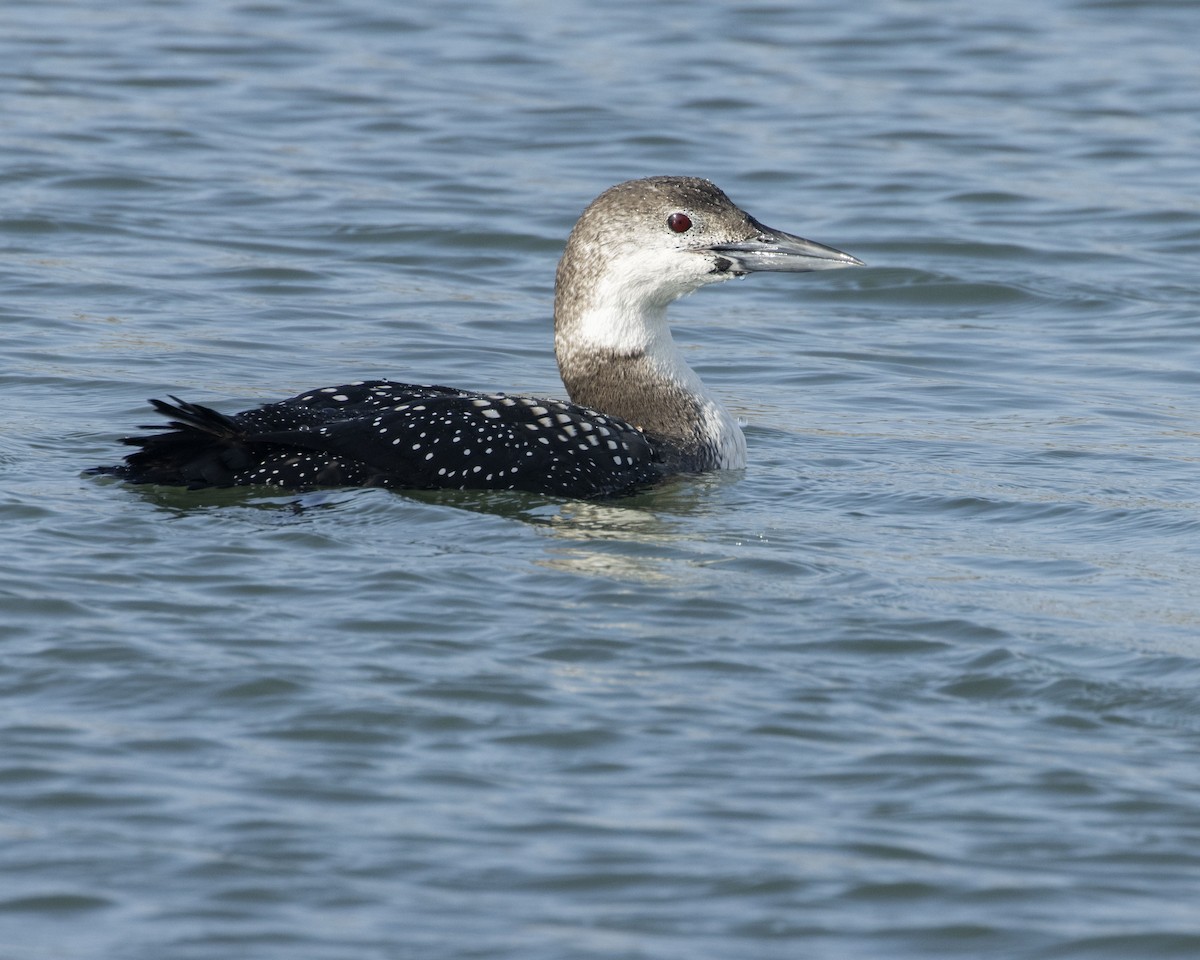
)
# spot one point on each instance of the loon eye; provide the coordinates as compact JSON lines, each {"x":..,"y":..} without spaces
{"x":679,"y":222}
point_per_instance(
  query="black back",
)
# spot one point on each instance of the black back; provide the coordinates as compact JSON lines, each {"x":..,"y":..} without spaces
{"x":380,"y":433}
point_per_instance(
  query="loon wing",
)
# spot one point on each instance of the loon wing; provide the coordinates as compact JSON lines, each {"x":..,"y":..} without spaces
{"x":380,"y":433}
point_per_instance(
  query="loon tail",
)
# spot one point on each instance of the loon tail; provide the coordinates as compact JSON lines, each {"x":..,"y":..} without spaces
{"x":200,"y":448}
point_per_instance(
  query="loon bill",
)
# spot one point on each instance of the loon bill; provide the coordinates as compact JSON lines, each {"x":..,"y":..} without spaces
{"x":638,"y":412}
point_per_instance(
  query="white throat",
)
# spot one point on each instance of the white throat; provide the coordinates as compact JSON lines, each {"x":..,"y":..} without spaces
{"x":621,"y":322}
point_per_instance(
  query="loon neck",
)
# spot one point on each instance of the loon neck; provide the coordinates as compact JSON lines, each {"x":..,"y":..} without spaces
{"x":618,"y":357}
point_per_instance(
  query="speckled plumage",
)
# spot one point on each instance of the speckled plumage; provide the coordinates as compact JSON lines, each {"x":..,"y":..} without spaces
{"x":639,"y":412}
{"x":384,"y":434}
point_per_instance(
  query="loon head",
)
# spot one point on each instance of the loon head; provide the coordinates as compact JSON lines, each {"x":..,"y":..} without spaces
{"x":637,"y":247}
{"x":644,"y":243}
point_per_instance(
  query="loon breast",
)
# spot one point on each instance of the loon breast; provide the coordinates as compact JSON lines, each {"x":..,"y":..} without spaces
{"x":637,"y":414}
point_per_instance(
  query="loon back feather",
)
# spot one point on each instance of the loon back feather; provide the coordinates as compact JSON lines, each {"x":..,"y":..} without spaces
{"x":406,"y":436}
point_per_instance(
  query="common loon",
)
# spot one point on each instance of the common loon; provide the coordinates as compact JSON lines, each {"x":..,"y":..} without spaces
{"x":638,"y":412}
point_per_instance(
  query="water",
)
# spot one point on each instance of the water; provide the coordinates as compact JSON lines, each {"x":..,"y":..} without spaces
{"x":920,"y":682}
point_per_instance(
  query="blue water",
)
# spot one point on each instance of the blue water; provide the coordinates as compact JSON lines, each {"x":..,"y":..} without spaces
{"x":922,"y":681}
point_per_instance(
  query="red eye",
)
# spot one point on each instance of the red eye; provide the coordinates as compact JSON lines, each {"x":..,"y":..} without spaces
{"x":679,"y":222}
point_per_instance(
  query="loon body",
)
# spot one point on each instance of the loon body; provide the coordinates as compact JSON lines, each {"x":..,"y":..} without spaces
{"x":638,"y":412}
